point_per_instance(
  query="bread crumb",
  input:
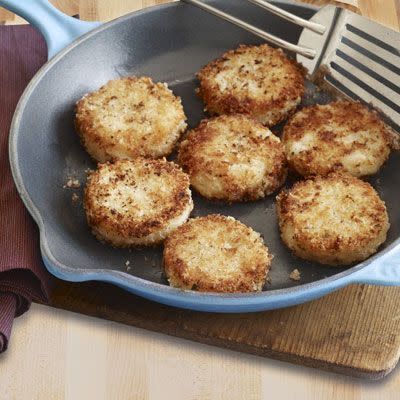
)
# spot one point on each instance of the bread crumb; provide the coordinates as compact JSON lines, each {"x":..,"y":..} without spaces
{"x":72,"y":183}
{"x":295,"y":275}
{"x":74,"y":198}
{"x":393,"y":139}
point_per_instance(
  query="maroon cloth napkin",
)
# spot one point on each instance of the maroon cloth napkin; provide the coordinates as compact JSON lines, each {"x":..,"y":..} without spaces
{"x":23,"y":277}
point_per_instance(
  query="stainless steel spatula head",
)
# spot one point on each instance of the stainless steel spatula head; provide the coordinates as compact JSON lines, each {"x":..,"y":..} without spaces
{"x":358,"y":57}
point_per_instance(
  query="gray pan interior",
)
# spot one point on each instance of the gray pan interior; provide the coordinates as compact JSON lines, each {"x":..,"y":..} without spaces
{"x":169,"y":44}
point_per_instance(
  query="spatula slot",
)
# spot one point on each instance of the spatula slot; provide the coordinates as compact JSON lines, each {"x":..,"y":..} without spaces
{"x":371,"y":55}
{"x":373,"y":39}
{"x":366,"y":87}
{"x":368,"y":71}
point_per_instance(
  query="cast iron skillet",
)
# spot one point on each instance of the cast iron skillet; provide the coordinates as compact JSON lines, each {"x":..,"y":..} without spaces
{"x":169,"y":43}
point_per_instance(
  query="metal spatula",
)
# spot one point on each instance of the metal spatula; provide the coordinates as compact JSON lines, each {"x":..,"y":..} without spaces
{"x":359,"y":57}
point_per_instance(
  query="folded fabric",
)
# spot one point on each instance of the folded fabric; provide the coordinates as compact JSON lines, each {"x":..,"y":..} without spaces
{"x":23,"y":277}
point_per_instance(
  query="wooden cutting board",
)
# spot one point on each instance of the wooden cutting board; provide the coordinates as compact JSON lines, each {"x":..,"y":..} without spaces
{"x":355,"y":331}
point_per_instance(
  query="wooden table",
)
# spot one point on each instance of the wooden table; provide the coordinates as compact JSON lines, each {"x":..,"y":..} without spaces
{"x":56,"y":354}
{"x":384,"y":11}
{"x":60,"y":355}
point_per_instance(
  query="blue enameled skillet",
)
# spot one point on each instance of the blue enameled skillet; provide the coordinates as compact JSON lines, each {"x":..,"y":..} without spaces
{"x":169,"y":43}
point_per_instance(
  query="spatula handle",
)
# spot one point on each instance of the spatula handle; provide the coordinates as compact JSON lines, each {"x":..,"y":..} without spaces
{"x":312,"y":26}
{"x":58,"y":29}
{"x":304,"y":51}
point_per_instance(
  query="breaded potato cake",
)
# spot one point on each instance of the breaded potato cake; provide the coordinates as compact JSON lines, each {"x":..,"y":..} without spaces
{"x":130,"y":117}
{"x":139,"y":202}
{"x":257,"y":80}
{"x":343,"y":135}
{"x":233,"y":158}
{"x":216,"y":254}
{"x":336,"y":220}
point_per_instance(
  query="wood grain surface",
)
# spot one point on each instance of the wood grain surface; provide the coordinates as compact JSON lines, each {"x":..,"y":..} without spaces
{"x":59,"y":355}
{"x":354,"y":331}
{"x":55,"y":354}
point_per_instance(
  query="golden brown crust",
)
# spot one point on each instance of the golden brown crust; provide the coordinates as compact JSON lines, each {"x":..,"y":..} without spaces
{"x":136,"y":202}
{"x":343,"y":135}
{"x":233,"y":158}
{"x":334,"y":220}
{"x":216,"y":254}
{"x":256,"y":80}
{"x":130,"y":117}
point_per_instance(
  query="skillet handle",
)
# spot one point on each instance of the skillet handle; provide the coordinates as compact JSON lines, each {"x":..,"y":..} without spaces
{"x":58,"y":29}
{"x":383,"y":271}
